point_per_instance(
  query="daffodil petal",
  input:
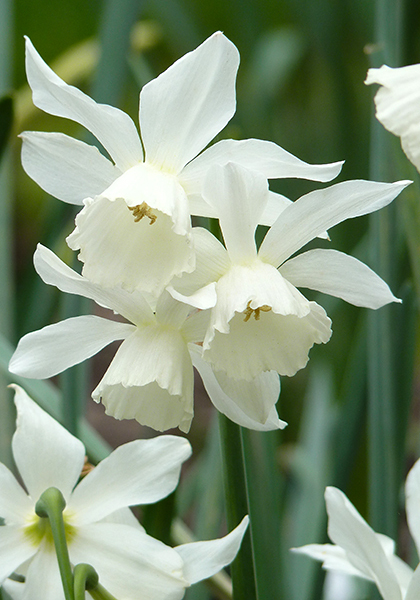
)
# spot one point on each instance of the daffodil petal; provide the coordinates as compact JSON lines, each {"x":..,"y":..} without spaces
{"x":273,"y":343}
{"x":55,"y":348}
{"x":397,"y":105}
{"x":161,"y":191}
{"x":117,"y":251}
{"x":340,"y":275}
{"x":64,"y":167}
{"x":261,"y":156}
{"x":140,"y":472}
{"x":320,"y":210}
{"x":150,"y":379}
{"x":204,"y":559}
{"x":43,"y":581}
{"x":251,"y":286}
{"x":15,"y":549}
{"x":347,"y":529}
{"x":333,"y":558}
{"x":112,"y":127}
{"x":265,"y":388}
{"x":239,"y":197}
{"x":45,"y":453}
{"x":54,"y":271}
{"x":212,"y":261}
{"x":412,"y":500}
{"x":15,"y":505}
{"x":186,"y":106}
{"x":128,"y":560}
{"x":413,"y":591}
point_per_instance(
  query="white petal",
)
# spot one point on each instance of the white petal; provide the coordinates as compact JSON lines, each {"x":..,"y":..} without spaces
{"x":130,"y":564}
{"x":262,"y":156}
{"x":275,"y":206}
{"x":273,"y":343}
{"x":347,"y":529}
{"x":254,"y":285}
{"x":15,"y":505}
{"x":239,"y":197}
{"x":204,"y":559}
{"x":117,"y":251}
{"x":267,"y":385}
{"x":197,"y":288}
{"x":15,"y":549}
{"x":45,"y":453}
{"x":140,"y":472}
{"x":112,"y":127}
{"x":195,"y":327}
{"x":55,"y":348}
{"x":397,"y":105}
{"x":53,"y":271}
{"x":15,"y":589}
{"x":64,"y":167}
{"x":150,"y":379}
{"x":340,"y":275}
{"x":156,"y":188}
{"x":320,"y":210}
{"x":413,"y":592}
{"x":412,"y":501}
{"x":43,"y":581}
{"x":333,"y":558}
{"x":186,"y":106}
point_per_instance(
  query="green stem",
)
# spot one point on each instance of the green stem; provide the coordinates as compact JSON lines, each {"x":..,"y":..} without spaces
{"x":51,"y":505}
{"x":236,"y":494}
{"x":86,"y":578}
{"x":383,"y":392}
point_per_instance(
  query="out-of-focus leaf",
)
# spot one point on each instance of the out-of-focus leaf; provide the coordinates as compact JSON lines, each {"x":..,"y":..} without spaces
{"x":6,"y":120}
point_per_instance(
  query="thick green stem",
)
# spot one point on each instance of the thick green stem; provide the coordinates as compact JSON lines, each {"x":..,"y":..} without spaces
{"x":86,"y":578}
{"x":236,"y":494}
{"x":51,"y":505}
{"x":383,"y":392}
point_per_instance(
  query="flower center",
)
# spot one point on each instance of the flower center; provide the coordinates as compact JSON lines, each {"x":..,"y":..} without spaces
{"x":248,"y":312}
{"x":40,"y":529}
{"x":142,"y":210}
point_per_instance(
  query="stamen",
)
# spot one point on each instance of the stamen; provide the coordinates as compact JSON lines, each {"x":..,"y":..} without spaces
{"x":255,"y":311}
{"x":142,"y":210}
{"x":87,"y":468}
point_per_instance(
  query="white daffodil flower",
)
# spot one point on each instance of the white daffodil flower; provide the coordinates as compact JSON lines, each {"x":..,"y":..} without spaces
{"x":151,"y":377}
{"x":259,"y":320}
{"x":100,"y":528}
{"x":359,"y":551}
{"x":134,"y":228}
{"x":398,"y":105}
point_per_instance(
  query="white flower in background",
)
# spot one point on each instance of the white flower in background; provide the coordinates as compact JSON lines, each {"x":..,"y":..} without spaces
{"x":398,"y":105}
{"x":151,"y":377}
{"x":100,"y":528}
{"x":259,"y":320}
{"x":359,"y":551}
{"x":134,"y":229}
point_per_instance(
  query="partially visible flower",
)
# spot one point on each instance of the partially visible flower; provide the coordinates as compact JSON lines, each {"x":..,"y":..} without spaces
{"x":259,"y":320}
{"x":359,"y":551}
{"x":100,"y":528}
{"x":151,"y":377}
{"x":134,"y":229}
{"x":398,"y":105}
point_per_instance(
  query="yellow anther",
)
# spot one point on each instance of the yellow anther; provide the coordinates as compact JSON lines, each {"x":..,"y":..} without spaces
{"x":255,"y":311}
{"x":142,"y":210}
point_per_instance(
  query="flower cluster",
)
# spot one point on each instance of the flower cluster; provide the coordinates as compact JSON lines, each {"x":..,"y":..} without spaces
{"x":359,"y":551}
{"x":233,"y":311}
{"x":100,"y":529}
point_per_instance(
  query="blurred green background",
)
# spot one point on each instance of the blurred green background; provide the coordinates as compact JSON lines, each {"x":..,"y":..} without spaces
{"x":300,"y":84}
